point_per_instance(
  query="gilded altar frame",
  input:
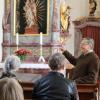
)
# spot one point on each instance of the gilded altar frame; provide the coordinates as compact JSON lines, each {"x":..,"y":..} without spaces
{"x":26,"y":27}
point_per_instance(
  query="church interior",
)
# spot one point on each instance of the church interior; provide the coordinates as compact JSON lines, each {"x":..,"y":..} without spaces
{"x":35,"y":29}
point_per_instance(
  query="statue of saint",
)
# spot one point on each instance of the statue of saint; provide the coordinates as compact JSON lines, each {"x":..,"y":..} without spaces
{"x":92,"y":7}
{"x":31,"y":16}
{"x":30,"y":13}
{"x":64,"y":14}
{"x":27,"y":17}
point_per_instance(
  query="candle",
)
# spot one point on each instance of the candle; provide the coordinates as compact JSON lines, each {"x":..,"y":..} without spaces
{"x":41,"y":38}
{"x":17,"y":40}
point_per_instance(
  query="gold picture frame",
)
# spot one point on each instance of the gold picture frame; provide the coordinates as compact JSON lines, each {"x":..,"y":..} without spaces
{"x":31,"y":17}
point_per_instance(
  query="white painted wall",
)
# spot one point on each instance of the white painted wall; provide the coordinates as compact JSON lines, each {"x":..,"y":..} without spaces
{"x":1,"y":31}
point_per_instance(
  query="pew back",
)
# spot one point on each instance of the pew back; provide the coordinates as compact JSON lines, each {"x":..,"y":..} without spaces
{"x":86,"y":91}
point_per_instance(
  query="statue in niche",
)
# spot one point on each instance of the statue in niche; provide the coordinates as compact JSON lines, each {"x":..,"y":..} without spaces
{"x":27,"y":15}
{"x":64,"y":22}
{"x":92,"y":7}
{"x":31,"y":16}
{"x":65,"y":16}
{"x":30,"y":13}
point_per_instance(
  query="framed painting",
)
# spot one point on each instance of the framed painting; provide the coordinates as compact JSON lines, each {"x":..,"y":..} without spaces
{"x":31,"y":17}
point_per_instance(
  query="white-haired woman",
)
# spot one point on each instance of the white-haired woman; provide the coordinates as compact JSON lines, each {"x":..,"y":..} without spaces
{"x":12,"y":63}
{"x":10,"y":89}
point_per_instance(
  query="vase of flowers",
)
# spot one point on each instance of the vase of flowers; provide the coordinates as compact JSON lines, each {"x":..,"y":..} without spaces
{"x":22,"y":53}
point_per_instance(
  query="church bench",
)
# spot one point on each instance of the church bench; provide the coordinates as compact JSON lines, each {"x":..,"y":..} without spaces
{"x":86,"y":91}
{"x":27,"y":89}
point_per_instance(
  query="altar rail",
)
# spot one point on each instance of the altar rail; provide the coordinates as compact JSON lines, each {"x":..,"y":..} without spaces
{"x":86,"y":91}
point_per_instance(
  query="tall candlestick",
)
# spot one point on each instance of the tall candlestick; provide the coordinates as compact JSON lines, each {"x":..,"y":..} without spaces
{"x":17,"y":40}
{"x":41,"y":38}
{"x":41,"y":58}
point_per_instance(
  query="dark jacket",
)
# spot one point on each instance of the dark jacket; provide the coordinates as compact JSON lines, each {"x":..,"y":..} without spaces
{"x":86,"y":67}
{"x":54,"y":87}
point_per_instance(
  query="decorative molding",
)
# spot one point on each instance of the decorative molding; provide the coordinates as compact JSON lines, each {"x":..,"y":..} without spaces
{"x":87,"y":21}
{"x":30,"y":45}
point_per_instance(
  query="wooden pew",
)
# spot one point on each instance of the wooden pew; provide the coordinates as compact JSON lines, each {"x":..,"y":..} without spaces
{"x":27,"y":89}
{"x":86,"y":91}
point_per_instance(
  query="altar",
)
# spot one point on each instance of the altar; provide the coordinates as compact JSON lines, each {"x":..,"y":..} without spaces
{"x":29,"y":72}
{"x":34,"y":65}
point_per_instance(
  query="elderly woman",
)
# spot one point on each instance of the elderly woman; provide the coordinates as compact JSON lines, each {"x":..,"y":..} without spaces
{"x":12,"y":63}
{"x":54,"y":86}
{"x":86,"y":65}
{"x":10,"y":89}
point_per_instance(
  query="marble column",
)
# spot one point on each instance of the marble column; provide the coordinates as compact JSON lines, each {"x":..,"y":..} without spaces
{"x":56,"y":26}
{"x":2,"y":8}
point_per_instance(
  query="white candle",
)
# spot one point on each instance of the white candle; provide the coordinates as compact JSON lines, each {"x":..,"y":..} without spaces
{"x":41,"y":38}
{"x":17,"y":40}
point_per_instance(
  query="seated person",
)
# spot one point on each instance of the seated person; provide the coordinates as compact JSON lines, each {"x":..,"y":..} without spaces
{"x":12,"y":63}
{"x":10,"y":89}
{"x":54,"y":86}
{"x":86,"y":68}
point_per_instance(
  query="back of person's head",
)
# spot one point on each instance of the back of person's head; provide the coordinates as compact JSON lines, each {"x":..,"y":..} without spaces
{"x":57,"y":61}
{"x":10,"y":89}
{"x":12,"y":62}
{"x":88,"y":41}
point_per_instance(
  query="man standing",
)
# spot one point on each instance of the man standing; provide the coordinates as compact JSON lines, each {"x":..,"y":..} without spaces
{"x":86,"y":65}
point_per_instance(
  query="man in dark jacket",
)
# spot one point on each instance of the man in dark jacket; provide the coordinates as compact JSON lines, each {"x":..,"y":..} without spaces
{"x":54,"y":86}
{"x":86,"y":65}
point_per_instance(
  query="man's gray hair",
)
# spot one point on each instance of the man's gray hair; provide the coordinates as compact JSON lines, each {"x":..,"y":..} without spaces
{"x":56,"y":61}
{"x":12,"y":62}
{"x":88,"y":41}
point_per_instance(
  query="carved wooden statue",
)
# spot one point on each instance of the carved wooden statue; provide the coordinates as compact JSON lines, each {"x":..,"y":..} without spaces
{"x":64,"y":14}
{"x":92,"y":7}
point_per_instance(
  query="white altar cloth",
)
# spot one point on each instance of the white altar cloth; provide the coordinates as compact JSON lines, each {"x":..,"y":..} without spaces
{"x":31,"y":65}
{"x":35,"y":66}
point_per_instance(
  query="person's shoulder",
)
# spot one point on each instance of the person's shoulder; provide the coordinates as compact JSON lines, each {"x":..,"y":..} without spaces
{"x":40,"y":80}
{"x":71,"y":85}
{"x":69,"y":81}
{"x":94,"y":55}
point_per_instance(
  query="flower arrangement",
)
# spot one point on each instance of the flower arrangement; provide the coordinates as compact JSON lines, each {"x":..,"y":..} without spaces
{"x":21,"y":53}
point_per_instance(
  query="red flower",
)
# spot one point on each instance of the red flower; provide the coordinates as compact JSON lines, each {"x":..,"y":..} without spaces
{"x":23,"y":52}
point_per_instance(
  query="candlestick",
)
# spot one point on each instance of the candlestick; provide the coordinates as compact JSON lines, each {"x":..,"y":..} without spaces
{"x":17,"y":40}
{"x":41,"y":38}
{"x":41,"y":58}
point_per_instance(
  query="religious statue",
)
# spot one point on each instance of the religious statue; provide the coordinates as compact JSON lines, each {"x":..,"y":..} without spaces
{"x":65,"y":22}
{"x":31,"y":16}
{"x":30,"y":13}
{"x":92,"y":7}
{"x":64,"y":14}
